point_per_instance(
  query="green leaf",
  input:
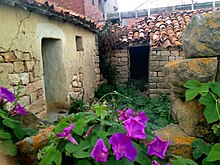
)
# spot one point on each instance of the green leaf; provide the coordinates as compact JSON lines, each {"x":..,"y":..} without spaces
{"x":3,"y":114}
{"x":11,"y":123}
{"x":214,"y":154}
{"x":78,"y":151}
{"x":123,"y":161}
{"x":180,"y":161}
{"x":195,"y":88}
{"x":83,"y":162}
{"x":211,"y":108}
{"x":7,"y":147}
{"x":141,"y":158}
{"x":102,"y":134}
{"x":52,"y":156}
{"x":21,"y":132}
{"x":79,"y":127}
{"x":100,"y":110}
{"x":215,"y":87}
{"x":60,"y":126}
{"x":201,"y":147}
{"x":116,"y":128}
{"x":204,"y":162}
{"x":216,"y":128}
{"x":5,"y":135}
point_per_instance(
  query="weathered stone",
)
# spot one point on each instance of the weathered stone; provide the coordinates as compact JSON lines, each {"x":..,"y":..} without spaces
{"x":34,"y":86}
{"x":9,"y":57}
{"x":201,"y":37}
{"x":75,"y":83}
{"x":18,"y":67}
{"x":14,"y":78}
{"x":179,"y":71}
{"x":37,"y":106}
{"x":38,"y":69}
{"x":22,"y":56}
{"x":24,"y":101}
{"x":30,"y":146}
{"x":192,"y":112}
{"x":22,"y":90}
{"x":8,"y":67}
{"x":24,"y":77}
{"x":1,"y":59}
{"x":29,"y":65}
{"x":179,"y":141}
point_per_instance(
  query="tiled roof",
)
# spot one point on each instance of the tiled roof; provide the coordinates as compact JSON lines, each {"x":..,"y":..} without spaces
{"x":160,"y":30}
{"x":53,"y":11}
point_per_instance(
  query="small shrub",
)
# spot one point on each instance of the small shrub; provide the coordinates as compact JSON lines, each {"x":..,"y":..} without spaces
{"x":76,"y":106}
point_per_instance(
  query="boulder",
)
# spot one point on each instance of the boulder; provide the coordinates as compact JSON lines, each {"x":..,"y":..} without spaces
{"x":190,"y":117}
{"x":30,"y":146}
{"x":179,"y":71}
{"x":201,"y":37}
{"x":179,"y":141}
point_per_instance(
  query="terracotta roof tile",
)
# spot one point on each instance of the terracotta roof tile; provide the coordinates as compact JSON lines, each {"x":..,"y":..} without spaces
{"x":159,"y":29}
{"x":51,"y":9}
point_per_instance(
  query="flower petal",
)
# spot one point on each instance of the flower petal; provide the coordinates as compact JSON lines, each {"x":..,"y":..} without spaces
{"x":122,"y":146}
{"x":158,"y":147}
{"x":141,"y":117}
{"x":100,"y":151}
{"x":6,"y":94}
{"x":134,"y":128}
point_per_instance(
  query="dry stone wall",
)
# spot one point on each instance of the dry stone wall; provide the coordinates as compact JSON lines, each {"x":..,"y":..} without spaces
{"x":157,"y":60}
{"x":17,"y":66}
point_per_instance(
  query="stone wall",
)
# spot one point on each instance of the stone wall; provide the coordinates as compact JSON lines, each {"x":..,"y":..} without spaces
{"x":24,"y":68}
{"x":158,"y":58}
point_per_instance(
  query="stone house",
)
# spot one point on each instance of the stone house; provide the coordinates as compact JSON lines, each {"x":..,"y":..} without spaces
{"x":51,"y":51}
{"x":144,"y":47}
{"x":92,"y":9}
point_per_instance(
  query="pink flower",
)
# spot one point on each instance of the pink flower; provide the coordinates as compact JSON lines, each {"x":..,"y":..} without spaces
{"x":134,"y":128}
{"x":67,"y":134}
{"x":6,"y":94}
{"x":141,"y":117}
{"x":158,"y":147}
{"x":125,"y":114}
{"x":100,"y":151}
{"x":18,"y":110}
{"x":122,"y":146}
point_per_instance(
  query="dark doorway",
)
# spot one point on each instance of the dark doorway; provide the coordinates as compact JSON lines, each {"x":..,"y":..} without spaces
{"x":139,"y":60}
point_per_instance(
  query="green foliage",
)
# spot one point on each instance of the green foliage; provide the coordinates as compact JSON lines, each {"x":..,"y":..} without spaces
{"x":209,"y":95}
{"x":11,"y":130}
{"x":181,"y":161}
{"x":76,"y":106}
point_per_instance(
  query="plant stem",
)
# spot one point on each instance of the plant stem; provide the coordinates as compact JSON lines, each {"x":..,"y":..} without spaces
{"x":216,"y":105}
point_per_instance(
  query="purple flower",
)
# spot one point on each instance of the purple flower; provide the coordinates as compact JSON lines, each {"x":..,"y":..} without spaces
{"x":134,"y":128}
{"x":18,"y":110}
{"x":67,"y":134}
{"x":122,"y":146}
{"x":100,"y":151}
{"x":125,"y":114}
{"x":6,"y":94}
{"x":154,"y":162}
{"x":141,"y":117}
{"x":158,"y":147}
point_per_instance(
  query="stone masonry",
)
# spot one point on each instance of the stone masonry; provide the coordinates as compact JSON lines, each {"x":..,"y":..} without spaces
{"x":158,"y":58}
{"x":21,"y":67}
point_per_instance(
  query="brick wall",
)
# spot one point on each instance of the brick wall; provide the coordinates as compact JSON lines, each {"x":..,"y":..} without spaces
{"x":157,"y":60}
{"x":17,"y":66}
{"x":83,"y":7}
{"x":74,"y":5}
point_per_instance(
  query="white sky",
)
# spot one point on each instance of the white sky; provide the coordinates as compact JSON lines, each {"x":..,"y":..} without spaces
{"x":130,"y":5}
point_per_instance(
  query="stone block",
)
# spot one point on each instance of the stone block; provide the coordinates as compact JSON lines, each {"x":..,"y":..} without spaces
{"x":7,"y":67}
{"x":152,"y":85}
{"x":24,"y":77}
{"x":38,"y":69}
{"x":179,"y":141}
{"x":160,"y":74}
{"x":14,"y":79}
{"x":165,"y":53}
{"x":22,"y":55}
{"x":40,"y":94}
{"x":162,"y":86}
{"x":24,"y":101}
{"x":9,"y":56}
{"x":33,"y":97}
{"x":156,"y":69}
{"x":152,"y":53}
{"x":175,"y":53}
{"x":1,"y":59}
{"x":31,"y":87}
{"x":22,"y":90}
{"x":31,"y":77}
{"x":179,"y":71}
{"x":37,"y":106}
{"x":153,"y":74}
{"x":171,"y":58}
{"x":154,"y":63}
{"x":156,"y":79}
{"x":159,"y":91}
{"x":30,"y":146}
{"x":162,"y":63}
{"x":19,"y":67}
{"x":75,"y":84}
{"x":29,"y":65}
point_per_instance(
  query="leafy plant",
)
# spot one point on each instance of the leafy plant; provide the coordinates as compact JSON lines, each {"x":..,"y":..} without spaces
{"x":11,"y":130}
{"x":208,"y":94}
{"x":76,"y":106}
{"x":103,"y":135}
